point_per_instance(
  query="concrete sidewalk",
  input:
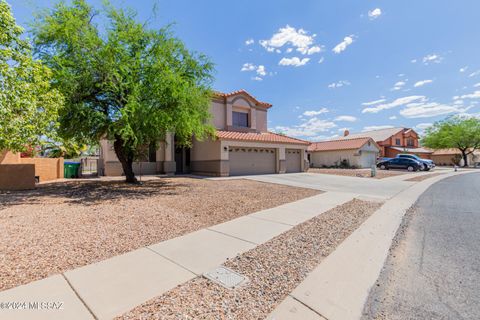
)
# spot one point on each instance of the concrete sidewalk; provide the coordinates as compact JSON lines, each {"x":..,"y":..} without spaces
{"x":339,"y":286}
{"x":114,"y":286}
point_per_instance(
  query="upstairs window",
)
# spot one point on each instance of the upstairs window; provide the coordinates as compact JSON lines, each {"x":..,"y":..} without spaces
{"x":240,"y":119}
{"x":397,"y":142}
{"x":410,"y":142}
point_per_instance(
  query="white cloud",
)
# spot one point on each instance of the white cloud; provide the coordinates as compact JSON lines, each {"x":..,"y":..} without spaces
{"x":261,"y":70}
{"x":300,"y":39}
{"x":348,"y":40}
{"x":295,"y":61}
{"x":432,"y":58}
{"x":257,"y":78}
{"x":375,"y":13}
{"x":346,"y":118}
{"x":310,"y":128}
{"x":430,"y":109}
{"x":249,"y":42}
{"x":413,"y":61}
{"x":396,"y":103}
{"x":392,"y":117}
{"x":463,"y":69}
{"x":312,"y":113}
{"x":371,"y":128}
{"x":422,"y":83}
{"x":476,"y":85}
{"x":321,"y":60}
{"x":423,"y":126}
{"x":475,"y":95}
{"x":399,"y":85}
{"x":248,"y":67}
{"x":339,"y":84}
{"x":371,"y":103}
{"x":474,"y":74}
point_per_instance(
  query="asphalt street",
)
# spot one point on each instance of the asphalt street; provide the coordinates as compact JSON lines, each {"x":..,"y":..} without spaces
{"x":433,"y":269}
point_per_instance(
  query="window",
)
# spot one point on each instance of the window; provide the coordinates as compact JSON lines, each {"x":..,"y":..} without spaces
{"x":410,"y":142}
{"x":240,"y":119}
{"x":397,"y":142}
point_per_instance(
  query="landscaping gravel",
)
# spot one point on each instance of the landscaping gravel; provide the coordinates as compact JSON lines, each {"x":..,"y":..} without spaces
{"x":274,"y":269}
{"x":66,"y":225}
{"x":363,"y":173}
{"x":423,"y":177}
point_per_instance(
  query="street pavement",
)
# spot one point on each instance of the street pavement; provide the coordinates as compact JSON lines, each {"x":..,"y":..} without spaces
{"x":433,"y":269}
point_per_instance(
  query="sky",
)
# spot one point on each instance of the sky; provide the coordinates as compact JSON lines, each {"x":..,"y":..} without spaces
{"x":327,"y":66}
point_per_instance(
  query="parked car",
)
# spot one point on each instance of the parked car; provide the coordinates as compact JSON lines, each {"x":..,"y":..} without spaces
{"x":427,"y":163}
{"x":400,"y":163}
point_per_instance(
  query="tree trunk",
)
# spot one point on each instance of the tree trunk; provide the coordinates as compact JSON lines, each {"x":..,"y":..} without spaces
{"x":465,"y":158}
{"x":125,"y":159}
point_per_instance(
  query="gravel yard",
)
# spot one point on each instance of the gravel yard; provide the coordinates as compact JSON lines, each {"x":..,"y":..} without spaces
{"x":366,"y":173}
{"x":274,"y":269}
{"x":425,"y":176}
{"x":66,"y":225}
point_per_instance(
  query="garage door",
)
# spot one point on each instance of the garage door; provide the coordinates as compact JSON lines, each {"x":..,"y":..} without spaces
{"x":293,"y":158}
{"x":368,"y":159}
{"x":244,"y":161}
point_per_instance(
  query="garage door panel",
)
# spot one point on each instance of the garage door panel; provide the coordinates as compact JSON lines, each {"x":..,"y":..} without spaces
{"x":293,"y":159}
{"x":245,"y":161}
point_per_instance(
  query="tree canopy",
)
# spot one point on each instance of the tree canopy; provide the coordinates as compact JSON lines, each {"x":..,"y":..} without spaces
{"x":28,"y":104}
{"x":455,"y":132}
{"x":121,"y":80}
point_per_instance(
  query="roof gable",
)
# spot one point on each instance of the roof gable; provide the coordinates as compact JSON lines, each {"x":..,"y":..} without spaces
{"x":341,"y":144}
{"x":245,"y":94}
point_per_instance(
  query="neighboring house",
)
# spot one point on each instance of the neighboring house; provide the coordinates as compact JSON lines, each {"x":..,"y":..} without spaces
{"x":448,"y":157}
{"x":358,"y":152}
{"x":242,"y":145}
{"x":393,"y":141}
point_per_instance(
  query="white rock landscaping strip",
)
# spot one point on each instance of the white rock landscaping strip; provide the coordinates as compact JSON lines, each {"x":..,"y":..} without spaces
{"x":54,"y":291}
{"x":202,"y":250}
{"x":339,"y":286}
{"x":116,"y":285}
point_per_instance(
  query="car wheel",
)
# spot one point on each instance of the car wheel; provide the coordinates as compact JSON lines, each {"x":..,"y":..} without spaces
{"x":383,"y":167}
{"x":410,"y":168}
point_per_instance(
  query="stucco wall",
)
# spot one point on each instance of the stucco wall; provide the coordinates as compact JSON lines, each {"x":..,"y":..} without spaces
{"x":8,"y":157}
{"x":261,"y":120}
{"x":218,"y":111}
{"x":17,"y":176}
{"x":46,"y":169}
{"x":205,"y":150}
{"x":331,"y":158}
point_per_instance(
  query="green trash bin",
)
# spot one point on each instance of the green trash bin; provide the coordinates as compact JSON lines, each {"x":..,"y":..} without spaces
{"x":71,"y":170}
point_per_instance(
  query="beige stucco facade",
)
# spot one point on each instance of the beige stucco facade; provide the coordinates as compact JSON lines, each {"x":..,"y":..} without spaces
{"x":219,"y":157}
{"x":363,"y":157}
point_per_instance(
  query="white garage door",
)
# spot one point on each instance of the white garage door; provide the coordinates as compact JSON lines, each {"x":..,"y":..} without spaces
{"x":294,"y":160}
{"x":368,"y":159}
{"x":244,"y":161}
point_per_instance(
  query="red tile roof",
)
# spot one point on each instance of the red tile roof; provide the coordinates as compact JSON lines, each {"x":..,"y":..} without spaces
{"x":233,"y":93}
{"x":258,"y":137}
{"x":342,"y":144}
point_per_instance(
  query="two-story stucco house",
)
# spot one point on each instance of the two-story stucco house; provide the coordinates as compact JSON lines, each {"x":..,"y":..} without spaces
{"x":242,"y":145}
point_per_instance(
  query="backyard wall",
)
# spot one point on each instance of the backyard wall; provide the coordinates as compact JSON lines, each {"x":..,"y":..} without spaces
{"x":46,"y":169}
{"x":17,"y":176}
{"x":8,"y":157}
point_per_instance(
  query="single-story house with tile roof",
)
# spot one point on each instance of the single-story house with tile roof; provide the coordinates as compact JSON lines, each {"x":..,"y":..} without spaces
{"x":359,"y":152}
{"x":242,"y":145}
{"x":447,"y":157}
{"x":393,"y":141}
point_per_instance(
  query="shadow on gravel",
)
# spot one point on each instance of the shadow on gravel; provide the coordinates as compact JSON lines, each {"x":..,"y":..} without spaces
{"x":90,"y":192}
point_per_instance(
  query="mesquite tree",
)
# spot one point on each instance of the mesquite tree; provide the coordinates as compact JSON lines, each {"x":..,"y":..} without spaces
{"x":121,"y":80}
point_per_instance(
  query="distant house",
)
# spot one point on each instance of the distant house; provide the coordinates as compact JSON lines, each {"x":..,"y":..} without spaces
{"x":449,"y":157}
{"x":393,"y":141}
{"x":360,"y":152}
{"x":242,"y":145}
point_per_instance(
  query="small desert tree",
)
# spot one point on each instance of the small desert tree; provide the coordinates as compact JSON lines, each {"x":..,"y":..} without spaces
{"x":28,"y":105}
{"x":123,"y":81}
{"x":456,"y":132}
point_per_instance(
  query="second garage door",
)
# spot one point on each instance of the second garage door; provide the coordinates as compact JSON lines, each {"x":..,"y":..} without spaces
{"x":294,"y":160}
{"x":245,"y":161}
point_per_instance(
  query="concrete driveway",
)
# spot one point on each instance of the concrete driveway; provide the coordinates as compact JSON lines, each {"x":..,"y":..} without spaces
{"x":376,"y":188}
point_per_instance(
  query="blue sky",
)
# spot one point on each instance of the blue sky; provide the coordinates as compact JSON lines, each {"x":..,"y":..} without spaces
{"x":330,"y":65}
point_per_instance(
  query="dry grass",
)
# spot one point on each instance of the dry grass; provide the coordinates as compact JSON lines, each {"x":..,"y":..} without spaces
{"x":363,"y":173}
{"x":274,"y":269}
{"x":70,"y":224}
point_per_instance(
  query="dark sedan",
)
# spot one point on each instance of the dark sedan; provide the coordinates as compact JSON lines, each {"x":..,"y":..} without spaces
{"x":400,"y":163}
